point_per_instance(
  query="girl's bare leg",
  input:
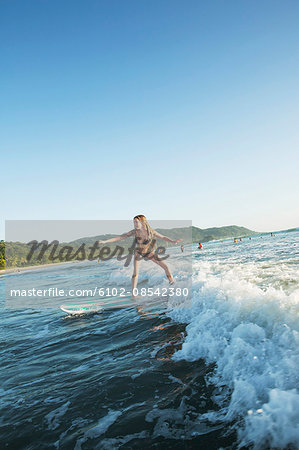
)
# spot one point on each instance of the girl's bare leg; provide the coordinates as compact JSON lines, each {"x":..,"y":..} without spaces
{"x":164,"y":266}
{"x":135,"y":274}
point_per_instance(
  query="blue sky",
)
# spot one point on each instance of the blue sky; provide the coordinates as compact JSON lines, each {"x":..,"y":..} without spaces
{"x":172,"y":109}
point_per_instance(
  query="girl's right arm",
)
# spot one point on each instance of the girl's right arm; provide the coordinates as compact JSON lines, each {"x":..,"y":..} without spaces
{"x":118,"y":238}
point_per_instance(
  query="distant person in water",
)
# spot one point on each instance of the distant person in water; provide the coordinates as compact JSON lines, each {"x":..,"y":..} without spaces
{"x":235,"y":241}
{"x":199,"y":246}
{"x":182,"y":248}
{"x":144,"y":236}
{"x":240,"y":239}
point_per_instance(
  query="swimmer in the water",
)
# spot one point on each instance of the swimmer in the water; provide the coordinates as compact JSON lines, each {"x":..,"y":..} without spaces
{"x":200,"y":246}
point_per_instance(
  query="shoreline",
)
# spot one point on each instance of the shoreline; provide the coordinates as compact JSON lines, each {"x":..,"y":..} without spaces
{"x":39,"y":266}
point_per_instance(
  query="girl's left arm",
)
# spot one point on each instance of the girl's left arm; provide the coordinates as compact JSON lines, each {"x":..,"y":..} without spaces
{"x":165,"y":238}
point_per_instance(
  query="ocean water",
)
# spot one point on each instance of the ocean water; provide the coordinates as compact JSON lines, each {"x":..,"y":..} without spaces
{"x":218,"y":372}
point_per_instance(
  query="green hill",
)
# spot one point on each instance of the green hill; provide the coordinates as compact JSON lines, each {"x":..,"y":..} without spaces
{"x":194,"y":234}
{"x":212,"y":234}
{"x":15,"y":253}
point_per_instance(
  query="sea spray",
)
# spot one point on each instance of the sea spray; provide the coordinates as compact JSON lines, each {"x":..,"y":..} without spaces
{"x":251,"y":332}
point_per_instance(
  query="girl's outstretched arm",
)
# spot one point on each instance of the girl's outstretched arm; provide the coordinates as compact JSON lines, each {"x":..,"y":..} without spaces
{"x":165,"y":238}
{"x":118,"y":238}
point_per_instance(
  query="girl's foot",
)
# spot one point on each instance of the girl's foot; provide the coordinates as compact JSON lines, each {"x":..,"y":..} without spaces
{"x":170,"y":278}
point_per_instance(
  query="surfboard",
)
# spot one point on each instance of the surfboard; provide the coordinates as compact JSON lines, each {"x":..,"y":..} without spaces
{"x":98,"y":306}
{"x":81,"y":309}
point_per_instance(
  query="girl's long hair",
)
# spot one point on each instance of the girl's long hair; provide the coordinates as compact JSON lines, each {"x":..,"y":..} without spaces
{"x":149,"y":229}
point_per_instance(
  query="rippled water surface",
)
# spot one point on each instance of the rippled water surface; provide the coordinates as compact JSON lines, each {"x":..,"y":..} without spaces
{"x":221,"y":372}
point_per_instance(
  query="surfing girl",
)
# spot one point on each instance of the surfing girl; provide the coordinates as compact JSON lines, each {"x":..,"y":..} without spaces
{"x":144,"y":238}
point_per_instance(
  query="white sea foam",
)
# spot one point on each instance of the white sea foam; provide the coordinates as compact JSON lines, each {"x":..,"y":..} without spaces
{"x":176,"y":423}
{"x":244,"y":318}
{"x":113,"y":443}
{"x":103,"y":425}
{"x":99,"y":429}
{"x":53,"y":418}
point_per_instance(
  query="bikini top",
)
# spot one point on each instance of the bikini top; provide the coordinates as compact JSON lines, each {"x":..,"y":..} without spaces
{"x":139,"y":240}
{"x":145,"y":241}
